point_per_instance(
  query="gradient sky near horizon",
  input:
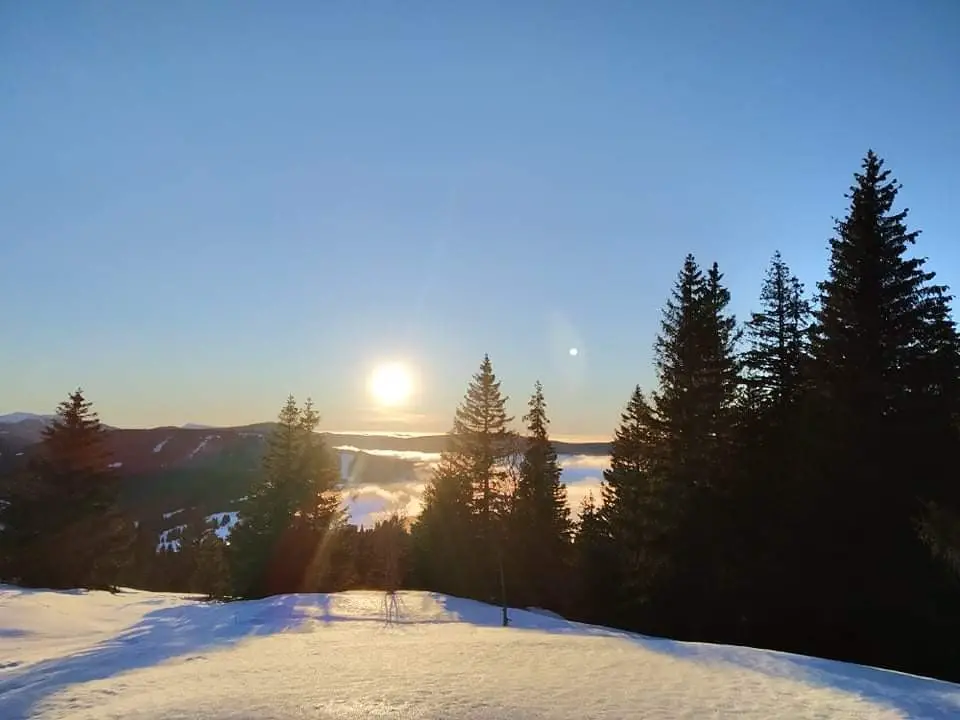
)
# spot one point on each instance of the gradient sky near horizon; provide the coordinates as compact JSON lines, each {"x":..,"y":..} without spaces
{"x":209,"y":205}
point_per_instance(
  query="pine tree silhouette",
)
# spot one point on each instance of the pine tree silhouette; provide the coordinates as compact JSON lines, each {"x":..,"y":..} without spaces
{"x":885,"y":376}
{"x":62,"y":524}
{"x":288,"y":525}
{"x":460,"y":533}
{"x":540,"y":527}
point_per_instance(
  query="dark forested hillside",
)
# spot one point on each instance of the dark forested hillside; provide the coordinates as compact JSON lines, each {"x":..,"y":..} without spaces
{"x":167,"y":468}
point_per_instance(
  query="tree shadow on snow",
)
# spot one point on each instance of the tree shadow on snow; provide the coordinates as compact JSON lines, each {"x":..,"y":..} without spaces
{"x":14,"y":591}
{"x":913,"y":696}
{"x":183,"y":631}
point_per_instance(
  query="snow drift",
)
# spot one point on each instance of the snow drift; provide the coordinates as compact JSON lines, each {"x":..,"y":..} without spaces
{"x":139,"y":655}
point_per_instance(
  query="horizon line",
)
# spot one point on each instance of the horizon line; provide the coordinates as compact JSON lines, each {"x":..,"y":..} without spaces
{"x":562,"y":437}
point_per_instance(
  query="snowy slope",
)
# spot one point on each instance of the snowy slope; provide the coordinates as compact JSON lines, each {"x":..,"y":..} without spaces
{"x":141,"y":655}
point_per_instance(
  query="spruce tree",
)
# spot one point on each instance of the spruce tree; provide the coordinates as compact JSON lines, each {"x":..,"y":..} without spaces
{"x":884,"y":341}
{"x":289,"y":522}
{"x":779,"y":337}
{"x":885,"y":372}
{"x":460,"y":532}
{"x":540,"y":517}
{"x":481,"y":442}
{"x":319,"y":503}
{"x":721,"y":365}
{"x":698,"y":375}
{"x":62,"y":526}
{"x":697,"y":371}
{"x":670,"y":463}
{"x":881,"y":319}
{"x":635,"y":511}
{"x":768,"y":513}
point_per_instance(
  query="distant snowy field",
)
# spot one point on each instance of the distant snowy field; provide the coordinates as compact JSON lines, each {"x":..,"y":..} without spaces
{"x":143,"y":655}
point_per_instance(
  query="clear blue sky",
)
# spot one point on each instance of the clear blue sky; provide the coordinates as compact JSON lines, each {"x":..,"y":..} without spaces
{"x":208,"y":205}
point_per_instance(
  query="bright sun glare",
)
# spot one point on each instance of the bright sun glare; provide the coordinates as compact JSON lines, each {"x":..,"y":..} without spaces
{"x":391,"y":384}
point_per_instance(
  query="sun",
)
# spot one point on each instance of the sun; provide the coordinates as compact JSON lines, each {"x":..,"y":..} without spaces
{"x":390,"y":384}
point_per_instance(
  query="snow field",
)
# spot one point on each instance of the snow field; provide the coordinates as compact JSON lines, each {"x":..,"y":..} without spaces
{"x":140,"y":655}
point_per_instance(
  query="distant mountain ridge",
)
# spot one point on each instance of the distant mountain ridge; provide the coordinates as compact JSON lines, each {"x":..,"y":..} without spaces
{"x":28,"y":427}
{"x":167,"y":468}
{"x":16,"y":417}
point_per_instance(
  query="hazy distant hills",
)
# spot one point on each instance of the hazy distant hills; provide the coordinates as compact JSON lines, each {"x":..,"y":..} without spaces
{"x":167,"y":468}
{"x":135,"y":443}
{"x":16,"y":417}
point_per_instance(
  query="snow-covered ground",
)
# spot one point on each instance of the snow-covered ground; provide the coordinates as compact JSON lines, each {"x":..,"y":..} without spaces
{"x":223,"y":531}
{"x":143,"y":655}
{"x":165,"y":542}
{"x":203,"y":444}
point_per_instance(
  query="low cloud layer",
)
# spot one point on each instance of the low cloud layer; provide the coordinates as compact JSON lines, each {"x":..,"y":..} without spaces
{"x":399,"y":487}
{"x":411,"y":455}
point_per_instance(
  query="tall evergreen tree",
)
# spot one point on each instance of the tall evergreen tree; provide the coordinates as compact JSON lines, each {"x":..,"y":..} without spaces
{"x":880,"y":317}
{"x":460,"y":532}
{"x":481,"y":442}
{"x":721,"y":365}
{"x":697,"y":371}
{"x":885,"y":370}
{"x":540,"y":517}
{"x":62,"y":524}
{"x":288,"y":524}
{"x":671,"y":458}
{"x":779,"y":337}
{"x":768,"y":510}
{"x":636,"y":512}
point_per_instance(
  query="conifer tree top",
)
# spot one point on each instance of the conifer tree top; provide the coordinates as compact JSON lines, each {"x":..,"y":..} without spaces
{"x":879,"y":311}
{"x":536,"y":417}
{"x":483,"y":409}
{"x":76,"y":412}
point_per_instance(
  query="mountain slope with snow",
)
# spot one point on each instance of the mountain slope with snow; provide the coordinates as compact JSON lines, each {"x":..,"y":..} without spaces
{"x":166,"y":468}
{"x":140,"y":655}
{"x":18,"y":417}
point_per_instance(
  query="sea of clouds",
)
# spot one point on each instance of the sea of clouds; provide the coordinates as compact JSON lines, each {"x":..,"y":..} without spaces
{"x":402,"y":491}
